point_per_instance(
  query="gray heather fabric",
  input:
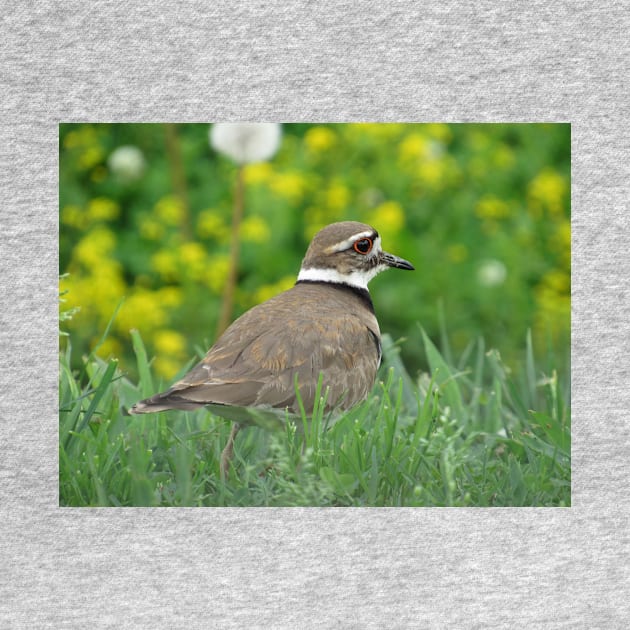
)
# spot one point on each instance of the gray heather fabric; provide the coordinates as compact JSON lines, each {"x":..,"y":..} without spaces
{"x":325,"y":61}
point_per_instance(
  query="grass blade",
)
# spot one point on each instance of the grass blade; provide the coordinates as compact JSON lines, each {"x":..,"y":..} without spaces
{"x":144,"y":371}
{"x":445,"y":379}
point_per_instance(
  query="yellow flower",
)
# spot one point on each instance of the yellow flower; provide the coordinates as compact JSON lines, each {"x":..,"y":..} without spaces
{"x":388,"y":218}
{"x":165,"y":262}
{"x":143,"y":310}
{"x":98,"y":209}
{"x":110,"y":348}
{"x":491,"y":207}
{"x":319,"y":139}
{"x":170,"y":209}
{"x":90,"y":157}
{"x":72,"y":287}
{"x":192,"y":253}
{"x":109,"y":286}
{"x":563,"y":234}
{"x":96,"y":293}
{"x":257,"y":173}
{"x":166,"y":367}
{"x":95,"y":246}
{"x":169,"y":342}
{"x":557,"y":281}
{"x":413,"y":148}
{"x":102,"y":209}
{"x":547,"y":190}
{"x":189,"y":259}
{"x":553,"y":298}
{"x":72,"y":140}
{"x":290,"y":186}
{"x":211,"y":225}
{"x":170,"y":296}
{"x":193,"y":260}
{"x":255,"y":230}
{"x":84,"y":139}
{"x":82,"y":136}
{"x":215,"y":272}
{"x":74,"y":217}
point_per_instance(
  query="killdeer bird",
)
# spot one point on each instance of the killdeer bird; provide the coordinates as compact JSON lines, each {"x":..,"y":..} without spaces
{"x":324,"y":325}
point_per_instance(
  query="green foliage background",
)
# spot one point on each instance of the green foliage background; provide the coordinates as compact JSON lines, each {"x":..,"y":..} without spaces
{"x":482,"y":210}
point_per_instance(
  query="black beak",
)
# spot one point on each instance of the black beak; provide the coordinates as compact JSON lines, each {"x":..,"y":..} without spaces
{"x":394,"y":261}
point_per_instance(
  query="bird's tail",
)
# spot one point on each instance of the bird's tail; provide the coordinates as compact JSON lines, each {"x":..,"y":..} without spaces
{"x":163,"y":402}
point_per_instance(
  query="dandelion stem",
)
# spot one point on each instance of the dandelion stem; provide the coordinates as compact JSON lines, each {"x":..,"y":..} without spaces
{"x":178,"y":176}
{"x":237,"y":215}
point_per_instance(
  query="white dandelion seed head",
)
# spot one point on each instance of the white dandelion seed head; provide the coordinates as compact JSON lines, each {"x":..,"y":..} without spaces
{"x":127,"y":162}
{"x":491,"y":273}
{"x":246,"y":142}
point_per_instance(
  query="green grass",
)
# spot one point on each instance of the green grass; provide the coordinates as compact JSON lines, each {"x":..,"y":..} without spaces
{"x":467,"y":434}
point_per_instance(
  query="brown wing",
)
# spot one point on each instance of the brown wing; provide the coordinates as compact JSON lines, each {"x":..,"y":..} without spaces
{"x":260,"y":371}
{"x":256,"y":360}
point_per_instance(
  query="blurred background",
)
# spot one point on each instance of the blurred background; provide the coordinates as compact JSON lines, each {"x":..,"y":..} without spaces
{"x":482,"y":211}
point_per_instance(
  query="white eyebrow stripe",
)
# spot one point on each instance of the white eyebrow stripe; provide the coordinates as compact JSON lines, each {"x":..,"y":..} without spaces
{"x":348,"y":242}
{"x":377,"y":246}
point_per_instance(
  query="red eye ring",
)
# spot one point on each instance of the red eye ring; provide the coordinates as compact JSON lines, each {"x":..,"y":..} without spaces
{"x":363,"y":246}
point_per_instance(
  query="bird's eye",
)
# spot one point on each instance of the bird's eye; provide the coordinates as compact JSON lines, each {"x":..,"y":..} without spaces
{"x":363,"y":246}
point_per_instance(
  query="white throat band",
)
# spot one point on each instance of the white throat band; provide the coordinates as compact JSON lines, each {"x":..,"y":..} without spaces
{"x":358,"y":279}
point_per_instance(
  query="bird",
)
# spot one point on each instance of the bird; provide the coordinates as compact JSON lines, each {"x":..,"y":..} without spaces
{"x":319,"y":336}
